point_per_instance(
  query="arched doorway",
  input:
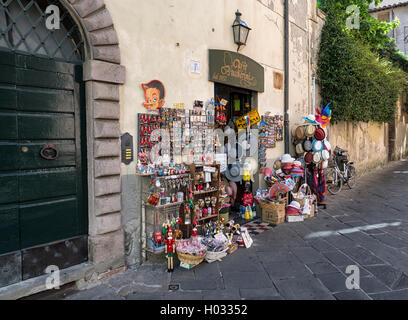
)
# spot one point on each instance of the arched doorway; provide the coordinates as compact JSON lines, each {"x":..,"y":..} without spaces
{"x":43,"y":178}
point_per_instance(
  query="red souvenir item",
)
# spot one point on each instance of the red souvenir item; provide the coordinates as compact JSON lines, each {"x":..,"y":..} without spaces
{"x":248,"y":200}
{"x":170,"y":247}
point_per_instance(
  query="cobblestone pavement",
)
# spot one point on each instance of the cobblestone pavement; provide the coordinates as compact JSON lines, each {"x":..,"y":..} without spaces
{"x":366,"y":226}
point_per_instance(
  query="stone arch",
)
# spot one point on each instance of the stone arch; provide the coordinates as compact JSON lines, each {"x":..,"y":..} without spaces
{"x":103,"y":75}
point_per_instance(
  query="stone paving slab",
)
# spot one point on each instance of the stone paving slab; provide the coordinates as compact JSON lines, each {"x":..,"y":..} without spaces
{"x":366,"y":227}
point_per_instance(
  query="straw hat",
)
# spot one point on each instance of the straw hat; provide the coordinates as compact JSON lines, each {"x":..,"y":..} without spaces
{"x":300,"y":133}
{"x":299,"y":149}
{"x":317,"y":158}
{"x":277,"y":164}
{"x":325,"y":155}
{"x":310,"y":131}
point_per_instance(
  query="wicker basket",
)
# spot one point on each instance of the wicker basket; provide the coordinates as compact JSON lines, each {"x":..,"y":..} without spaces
{"x":212,"y":256}
{"x":301,"y":200}
{"x":273,"y":213}
{"x":189,"y":258}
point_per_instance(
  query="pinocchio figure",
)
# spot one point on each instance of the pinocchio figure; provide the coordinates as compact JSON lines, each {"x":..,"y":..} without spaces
{"x":170,"y":247}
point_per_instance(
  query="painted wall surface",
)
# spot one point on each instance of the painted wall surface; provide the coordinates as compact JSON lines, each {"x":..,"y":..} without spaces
{"x":367,"y":143}
{"x":159,"y":39}
{"x":400,"y":149}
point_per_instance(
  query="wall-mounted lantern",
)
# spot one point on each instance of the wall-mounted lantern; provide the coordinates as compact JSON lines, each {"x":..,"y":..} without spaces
{"x":240,"y":30}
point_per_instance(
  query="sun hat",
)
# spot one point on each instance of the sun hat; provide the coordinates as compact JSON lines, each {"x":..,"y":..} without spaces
{"x":293,"y":130}
{"x":310,"y":119}
{"x":233,"y":173}
{"x":325,"y":164}
{"x":325,"y":155}
{"x":287,"y":166}
{"x":319,"y":134}
{"x":310,"y":130}
{"x":300,"y":132}
{"x":294,"y":204}
{"x":297,"y":172}
{"x":287,"y":158}
{"x":290,"y":211}
{"x":317,"y":146}
{"x":302,"y":162}
{"x":297,"y":163}
{"x":277,"y":164}
{"x":327,"y":144}
{"x":317,"y":158}
{"x":299,"y":149}
{"x":309,"y":157}
{"x":307,"y":145}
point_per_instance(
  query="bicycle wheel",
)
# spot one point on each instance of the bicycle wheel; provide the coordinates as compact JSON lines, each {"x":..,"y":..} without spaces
{"x":352,"y":179}
{"x":333,"y":181}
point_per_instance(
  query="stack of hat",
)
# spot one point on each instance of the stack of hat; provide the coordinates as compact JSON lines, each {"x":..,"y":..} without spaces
{"x":287,"y":163}
{"x":311,"y":143}
{"x":293,"y":209}
{"x":297,"y":169}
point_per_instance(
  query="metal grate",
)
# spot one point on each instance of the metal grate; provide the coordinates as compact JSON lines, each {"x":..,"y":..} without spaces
{"x":23,"y":30}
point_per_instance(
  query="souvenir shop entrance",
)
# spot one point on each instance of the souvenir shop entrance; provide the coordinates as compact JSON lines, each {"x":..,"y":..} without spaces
{"x":239,"y":102}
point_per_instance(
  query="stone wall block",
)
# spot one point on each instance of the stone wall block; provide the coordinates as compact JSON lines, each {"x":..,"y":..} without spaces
{"x":86,"y":7}
{"x":109,"y":53}
{"x":108,"y":204}
{"x":104,"y":72}
{"x":99,"y":20}
{"x":107,"y":167}
{"x":108,"y":223}
{"x":107,"y":185}
{"x":107,"y":148}
{"x":105,"y":36}
{"x":105,"y":91}
{"x":107,"y":246}
{"x":106,"y":110}
{"x":107,"y":129}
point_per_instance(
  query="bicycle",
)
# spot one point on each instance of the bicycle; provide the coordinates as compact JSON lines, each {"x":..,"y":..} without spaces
{"x":340,"y":171}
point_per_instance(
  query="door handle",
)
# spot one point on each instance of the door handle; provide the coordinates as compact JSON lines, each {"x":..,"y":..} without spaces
{"x":49,"y":152}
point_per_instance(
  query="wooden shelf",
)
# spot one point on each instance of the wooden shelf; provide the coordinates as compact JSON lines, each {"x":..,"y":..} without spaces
{"x":197,"y":193}
{"x":165,"y":205}
{"x":209,"y":217}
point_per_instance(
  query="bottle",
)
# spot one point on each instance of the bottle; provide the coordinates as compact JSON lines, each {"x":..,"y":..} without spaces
{"x":247,"y":214}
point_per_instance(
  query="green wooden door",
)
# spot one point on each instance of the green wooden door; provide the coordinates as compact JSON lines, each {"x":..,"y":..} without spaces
{"x":41,"y":201}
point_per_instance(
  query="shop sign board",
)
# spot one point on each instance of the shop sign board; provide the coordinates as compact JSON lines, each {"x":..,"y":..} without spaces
{"x":254,"y":118}
{"x":234,"y":69}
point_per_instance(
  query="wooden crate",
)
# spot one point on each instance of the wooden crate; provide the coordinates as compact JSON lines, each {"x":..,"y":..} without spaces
{"x":273,"y":213}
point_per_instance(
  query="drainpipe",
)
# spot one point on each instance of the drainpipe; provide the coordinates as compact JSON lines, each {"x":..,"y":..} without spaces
{"x":286,"y":102}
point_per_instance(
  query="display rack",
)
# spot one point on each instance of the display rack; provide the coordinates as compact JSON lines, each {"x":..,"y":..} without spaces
{"x":156,"y":215}
{"x":197,"y":177}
